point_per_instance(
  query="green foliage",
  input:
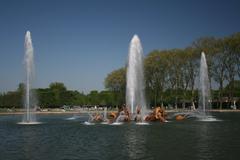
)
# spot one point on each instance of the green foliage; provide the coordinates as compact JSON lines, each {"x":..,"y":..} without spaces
{"x":116,"y":83}
{"x":116,"y":80}
{"x":57,"y":95}
{"x":170,"y":77}
{"x":11,"y":100}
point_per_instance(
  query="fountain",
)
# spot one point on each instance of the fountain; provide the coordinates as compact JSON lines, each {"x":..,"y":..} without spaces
{"x":202,"y":113}
{"x":119,"y":120}
{"x":29,"y":116}
{"x":204,"y":92}
{"x":105,"y":119}
{"x":135,"y":90}
{"x":90,"y":120}
{"x":105,"y":114}
{"x":97,"y":118}
{"x":204,"y":105}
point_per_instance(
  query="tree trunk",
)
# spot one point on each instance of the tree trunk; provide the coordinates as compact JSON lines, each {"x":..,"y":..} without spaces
{"x":155,"y":99}
{"x":176,"y":103}
{"x":220,"y":95}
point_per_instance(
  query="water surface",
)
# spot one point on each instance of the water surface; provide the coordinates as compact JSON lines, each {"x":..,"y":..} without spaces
{"x":60,"y":139}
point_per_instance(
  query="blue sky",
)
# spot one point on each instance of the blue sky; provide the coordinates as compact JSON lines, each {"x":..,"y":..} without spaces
{"x":78,"y":42}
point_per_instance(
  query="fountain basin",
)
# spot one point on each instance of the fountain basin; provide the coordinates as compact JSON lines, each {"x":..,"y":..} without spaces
{"x":29,"y":123}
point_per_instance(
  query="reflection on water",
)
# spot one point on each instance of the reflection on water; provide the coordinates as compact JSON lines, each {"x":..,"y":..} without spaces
{"x":204,"y":141}
{"x":29,"y":139}
{"x":136,"y":146}
{"x":59,"y":139}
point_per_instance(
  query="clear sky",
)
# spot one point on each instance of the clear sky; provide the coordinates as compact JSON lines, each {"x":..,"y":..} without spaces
{"x":78,"y":42}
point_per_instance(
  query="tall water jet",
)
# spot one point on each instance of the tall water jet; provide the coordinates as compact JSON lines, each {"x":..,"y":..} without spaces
{"x":204,"y":88}
{"x":135,"y":90}
{"x":29,"y":116}
{"x":204,"y":101}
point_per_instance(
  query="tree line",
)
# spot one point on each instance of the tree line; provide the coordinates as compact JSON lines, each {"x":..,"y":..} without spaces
{"x":171,"y":76}
{"x":57,"y":95}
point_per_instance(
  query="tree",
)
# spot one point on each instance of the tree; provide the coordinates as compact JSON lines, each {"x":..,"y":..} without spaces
{"x":93,"y":97}
{"x":231,"y":49}
{"x":21,"y":88}
{"x":79,"y":98}
{"x":116,"y":82}
{"x":208,"y":45}
{"x":191,"y":65}
{"x":57,"y":86}
{"x":219,"y":68}
{"x":58,"y":89}
{"x":156,"y":69}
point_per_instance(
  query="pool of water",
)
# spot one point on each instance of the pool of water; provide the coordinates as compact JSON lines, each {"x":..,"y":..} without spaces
{"x":60,"y":138}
